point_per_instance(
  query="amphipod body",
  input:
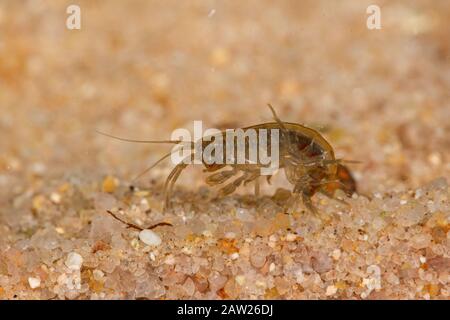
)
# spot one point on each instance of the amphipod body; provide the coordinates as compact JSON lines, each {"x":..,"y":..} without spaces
{"x":306,"y":157}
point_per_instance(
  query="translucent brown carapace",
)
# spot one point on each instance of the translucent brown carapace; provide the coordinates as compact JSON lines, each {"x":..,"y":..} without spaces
{"x":306,"y":157}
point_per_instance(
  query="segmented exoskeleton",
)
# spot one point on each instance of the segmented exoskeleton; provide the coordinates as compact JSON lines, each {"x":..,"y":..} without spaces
{"x":306,"y":157}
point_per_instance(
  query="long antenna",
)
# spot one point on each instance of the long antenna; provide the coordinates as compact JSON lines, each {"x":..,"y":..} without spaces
{"x":138,"y":141}
{"x":276,"y":117}
{"x":155,"y":164}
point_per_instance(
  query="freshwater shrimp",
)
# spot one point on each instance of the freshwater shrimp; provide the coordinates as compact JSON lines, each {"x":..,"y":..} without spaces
{"x":306,"y":157}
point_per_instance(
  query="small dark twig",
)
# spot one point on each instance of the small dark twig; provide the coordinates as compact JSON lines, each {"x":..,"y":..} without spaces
{"x":134,"y":226}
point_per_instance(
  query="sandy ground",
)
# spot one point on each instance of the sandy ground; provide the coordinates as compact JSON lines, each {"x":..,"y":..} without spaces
{"x":140,"y":69}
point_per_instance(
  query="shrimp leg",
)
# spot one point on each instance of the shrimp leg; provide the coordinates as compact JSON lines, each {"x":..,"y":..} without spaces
{"x":306,"y":198}
{"x":180,"y":168}
{"x":231,"y":187}
{"x":220,"y":177}
{"x":257,"y":187}
{"x":170,"y":181}
{"x":253,"y":176}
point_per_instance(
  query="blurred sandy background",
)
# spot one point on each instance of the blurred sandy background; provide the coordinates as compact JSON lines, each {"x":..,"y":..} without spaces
{"x":140,"y":69}
{"x":143,"y":68}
